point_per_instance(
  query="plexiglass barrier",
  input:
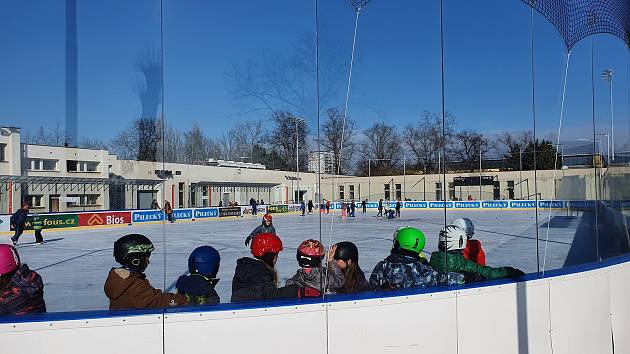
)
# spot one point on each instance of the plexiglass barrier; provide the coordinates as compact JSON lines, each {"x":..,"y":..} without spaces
{"x":162,"y":155}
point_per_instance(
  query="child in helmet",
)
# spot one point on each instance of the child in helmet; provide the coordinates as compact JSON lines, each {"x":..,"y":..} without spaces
{"x":311,"y":275}
{"x":265,"y":228}
{"x":452,"y":242}
{"x":346,"y":256}
{"x":21,"y":289}
{"x":127,"y":287}
{"x":473,"y":251}
{"x":198,"y":287}
{"x":256,"y":278}
{"x":405,"y":268}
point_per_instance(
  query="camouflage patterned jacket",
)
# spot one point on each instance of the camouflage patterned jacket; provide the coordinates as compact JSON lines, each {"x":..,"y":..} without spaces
{"x":399,"y":271}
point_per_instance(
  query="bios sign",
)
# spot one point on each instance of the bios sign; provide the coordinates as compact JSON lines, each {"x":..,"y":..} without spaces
{"x":107,"y":218}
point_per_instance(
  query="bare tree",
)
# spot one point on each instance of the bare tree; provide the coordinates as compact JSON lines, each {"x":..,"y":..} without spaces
{"x":55,"y":136}
{"x":512,"y":146}
{"x":381,"y":149}
{"x":125,"y":144}
{"x":470,"y":147}
{"x":196,"y":145}
{"x":171,"y":146}
{"x":283,"y":141}
{"x":93,"y":143}
{"x":425,"y":139}
{"x":279,"y":81}
{"x":336,"y":137}
{"x":253,"y":133}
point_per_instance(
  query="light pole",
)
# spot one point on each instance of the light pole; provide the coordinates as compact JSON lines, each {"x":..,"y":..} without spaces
{"x":520,"y":161}
{"x":370,"y":175}
{"x":607,"y":75}
{"x":297,"y":122}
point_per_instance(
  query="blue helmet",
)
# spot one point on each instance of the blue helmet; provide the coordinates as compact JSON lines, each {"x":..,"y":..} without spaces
{"x":205,"y":261}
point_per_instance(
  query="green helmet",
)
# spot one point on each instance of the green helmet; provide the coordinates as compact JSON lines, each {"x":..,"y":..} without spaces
{"x":410,"y":239}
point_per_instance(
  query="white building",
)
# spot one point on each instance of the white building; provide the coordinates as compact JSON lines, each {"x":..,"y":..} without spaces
{"x":323,"y":161}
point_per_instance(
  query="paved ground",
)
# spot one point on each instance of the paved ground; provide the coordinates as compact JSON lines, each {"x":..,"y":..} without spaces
{"x":74,"y":264}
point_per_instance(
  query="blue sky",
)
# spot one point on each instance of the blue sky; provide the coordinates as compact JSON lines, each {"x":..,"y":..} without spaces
{"x":396,"y":77}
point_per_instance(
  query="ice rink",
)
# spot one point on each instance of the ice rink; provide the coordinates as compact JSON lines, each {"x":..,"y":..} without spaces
{"x":74,"y":264}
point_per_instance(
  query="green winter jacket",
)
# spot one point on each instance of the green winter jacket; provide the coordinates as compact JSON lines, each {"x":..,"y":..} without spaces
{"x":458,"y":264}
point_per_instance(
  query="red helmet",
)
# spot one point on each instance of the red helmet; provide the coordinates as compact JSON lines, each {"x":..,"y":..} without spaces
{"x":310,"y":253}
{"x":268,"y":217}
{"x":266,"y":243}
{"x":9,"y":259}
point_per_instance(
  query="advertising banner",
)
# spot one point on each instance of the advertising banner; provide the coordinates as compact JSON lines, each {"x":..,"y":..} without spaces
{"x":5,"y":221}
{"x":106,"y":218}
{"x":273,"y":209}
{"x":527,"y":204}
{"x":435,"y":205}
{"x":415,"y":205}
{"x":467,"y":205}
{"x":54,"y":221}
{"x":553,"y":204}
{"x":204,"y":213}
{"x":182,"y":214}
{"x":495,"y":204}
{"x":229,"y":211}
{"x":149,"y":215}
{"x":581,"y":204}
{"x":294,"y":207}
{"x":247,"y":210}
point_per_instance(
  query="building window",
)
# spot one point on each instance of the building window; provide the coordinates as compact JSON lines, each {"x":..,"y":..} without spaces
{"x":438,"y":191}
{"x":204,"y":197}
{"x":82,"y":166}
{"x":510,"y":189}
{"x":84,"y":200}
{"x":398,"y":191}
{"x":193,"y":197}
{"x":35,"y":201}
{"x":341,"y":193}
{"x":451,"y":191}
{"x":352,"y":192}
{"x":3,"y":156}
{"x":42,"y":165}
{"x":181,"y":195}
{"x":386,"y":191}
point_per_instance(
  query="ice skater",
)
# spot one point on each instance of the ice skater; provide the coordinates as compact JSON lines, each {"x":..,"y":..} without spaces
{"x":473,"y":251}
{"x":168,"y":210}
{"x":198,"y":287}
{"x":380,"y":209}
{"x":265,"y":228}
{"x":21,"y":289}
{"x":310,"y":207}
{"x":398,"y":205}
{"x":18,"y":221}
{"x":364,"y":206}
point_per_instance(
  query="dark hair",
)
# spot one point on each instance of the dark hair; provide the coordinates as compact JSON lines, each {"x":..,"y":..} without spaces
{"x":352,"y":275}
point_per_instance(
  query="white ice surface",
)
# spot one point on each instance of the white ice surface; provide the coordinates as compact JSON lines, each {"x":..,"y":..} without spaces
{"x":74,"y":264}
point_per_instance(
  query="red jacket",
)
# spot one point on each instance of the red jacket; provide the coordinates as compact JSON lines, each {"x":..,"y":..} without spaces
{"x":474,"y":252}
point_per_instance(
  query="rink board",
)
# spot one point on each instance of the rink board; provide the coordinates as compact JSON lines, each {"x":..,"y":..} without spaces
{"x":576,"y":310}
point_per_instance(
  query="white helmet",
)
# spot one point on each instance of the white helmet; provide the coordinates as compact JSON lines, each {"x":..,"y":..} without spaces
{"x":466,"y":225}
{"x":453,"y":238}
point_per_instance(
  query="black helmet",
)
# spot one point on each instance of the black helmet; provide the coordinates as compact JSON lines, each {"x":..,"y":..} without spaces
{"x":133,"y":251}
{"x":347,"y":250}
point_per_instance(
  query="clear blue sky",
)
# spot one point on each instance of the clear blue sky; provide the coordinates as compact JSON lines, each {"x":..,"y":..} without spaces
{"x":397,"y":75}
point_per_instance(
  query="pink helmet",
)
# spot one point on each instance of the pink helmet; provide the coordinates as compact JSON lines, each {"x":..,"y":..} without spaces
{"x":9,"y":259}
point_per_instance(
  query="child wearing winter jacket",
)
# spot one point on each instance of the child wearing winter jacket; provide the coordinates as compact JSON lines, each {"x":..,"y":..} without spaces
{"x":473,"y":251}
{"x":21,"y":289}
{"x":198,"y":287}
{"x":311,"y":275}
{"x":452,"y":242}
{"x":256,"y":278}
{"x":404,"y":267}
{"x":127,"y":287}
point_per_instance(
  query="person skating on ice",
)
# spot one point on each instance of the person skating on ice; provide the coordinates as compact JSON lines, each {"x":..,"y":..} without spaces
{"x":311,"y":274}
{"x":310,"y":207}
{"x":346,"y":256}
{"x":302,"y":208}
{"x":473,"y":251}
{"x":380,"y":209}
{"x":18,"y":221}
{"x":364,"y":206}
{"x":451,"y":243}
{"x":21,"y":289}
{"x":38,"y":226}
{"x":127,"y":287}
{"x":405,"y":267}
{"x":265,"y":228}
{"x":198,"y":287}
